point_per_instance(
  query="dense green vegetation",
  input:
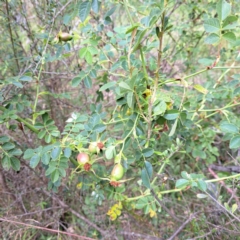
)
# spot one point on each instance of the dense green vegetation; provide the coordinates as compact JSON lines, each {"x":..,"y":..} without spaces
{"x":119,"y":119}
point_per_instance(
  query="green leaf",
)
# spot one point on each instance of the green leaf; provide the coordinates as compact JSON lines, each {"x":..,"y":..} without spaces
{"x":55,"y":175}
{"x":41,"y":134}
{"x":4,"y":139}
{"x":48,"y":138}
{"x":15,"y":163}
{"x":234,"y":207}
{"x":147,"y":152}
{"x":34,"y":160}
{"x":7,"y":146}
{"x":185,"y":175}
{"x":62,"y":172}
{"x":99,"y":128}
{"x":235,"y":142}
{"x":174,"y":127}
{"x":96,"y":5}
{"x":50,"y":169}
{"x":230,"y":37}
{"x":145,"y":178}
{"x":223,"y":9}
{"x":56,"y":153}
{"x":141,"y":203}
{"x":200,"y":89}
{"x":6,"y":163}
{"x":45,"y":158}
{"x":110,"y":152}
{"x":171,"y":114}
{"x":129,"y":30}
{"x":88,"y":82}
{"x":202,"y":185}
{"x":82,"y":52}
{"x":228,"y":128}
{"x":107,"y":86}
{"x":230,"y":22}
{"x":149,"y":168}
{"x":140,"y":36}
{"x":200,"y":195}
{"x":212,"y":25}
{"x":198,"y":153}
{"x":212,"y":38}
{"x":130,"y":99}
{"x":181,"y":183}
{"x":76,"y":81}
{"x":15,"y":152}
{"x":28,"y":154}
{"x":25,"y":78}
{"x":160,"y":108}
{"x":125,"y":86}
{"x":67,"y":152}
{"x":88,"y":57}
{"x":84,"y":10}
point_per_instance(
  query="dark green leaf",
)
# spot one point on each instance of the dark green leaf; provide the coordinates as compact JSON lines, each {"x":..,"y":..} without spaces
{"x":15,"y":163}
{"x":84,"y":10}
{"x":145,"y":178}
{"x":147,"y":152}
{"x":149,"y":168}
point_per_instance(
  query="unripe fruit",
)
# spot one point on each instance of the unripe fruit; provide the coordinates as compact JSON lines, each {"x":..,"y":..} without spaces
{"x":93,"y":147}
{"x":83,"y":158}
{"x":117,"y":172}
{"x":64,"y":37}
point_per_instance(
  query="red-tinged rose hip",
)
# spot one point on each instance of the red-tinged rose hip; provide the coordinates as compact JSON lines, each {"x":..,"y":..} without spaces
{"x":100,"y":145}
{"x":83,"y":158}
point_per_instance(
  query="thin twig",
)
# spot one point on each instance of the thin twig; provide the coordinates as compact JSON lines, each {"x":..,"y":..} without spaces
{"x":191,"y":217}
